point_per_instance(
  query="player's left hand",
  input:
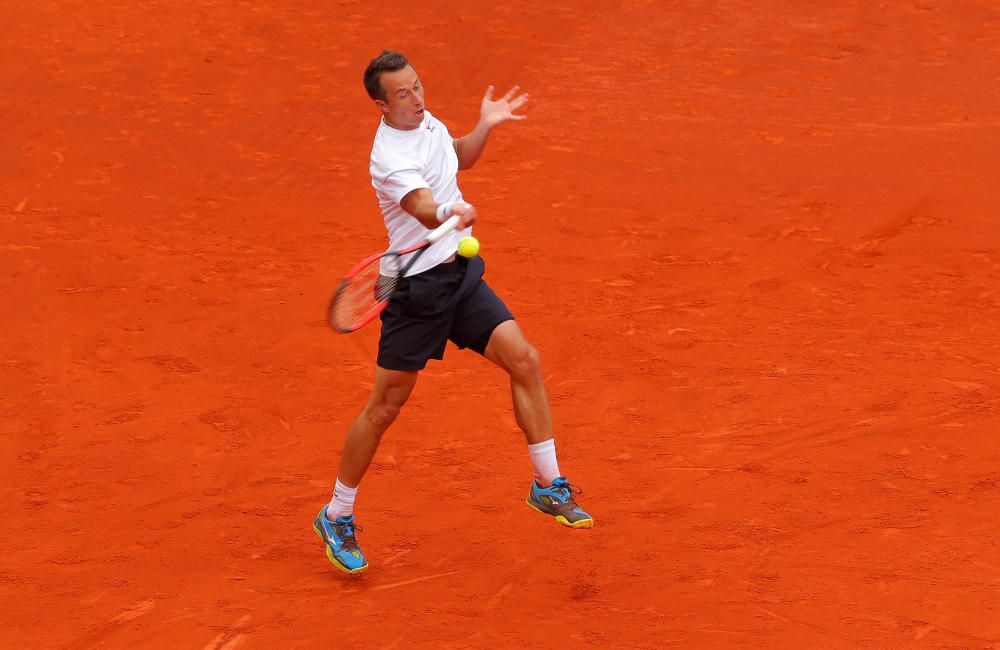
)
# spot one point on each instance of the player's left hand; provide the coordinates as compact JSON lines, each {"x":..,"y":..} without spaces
{"x":495,"y":111}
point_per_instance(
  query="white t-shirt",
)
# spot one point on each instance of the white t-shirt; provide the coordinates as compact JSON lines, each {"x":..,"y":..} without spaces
{"x":403,"y":161}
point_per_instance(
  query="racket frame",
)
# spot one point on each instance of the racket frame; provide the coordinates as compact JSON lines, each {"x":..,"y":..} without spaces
{"x":418,"y":248}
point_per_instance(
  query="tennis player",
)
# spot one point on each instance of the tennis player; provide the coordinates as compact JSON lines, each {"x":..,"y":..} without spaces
{"x":414,"y":166}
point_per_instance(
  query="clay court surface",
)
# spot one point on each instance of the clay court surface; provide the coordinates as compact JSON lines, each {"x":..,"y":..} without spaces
{"x":756,"y":244}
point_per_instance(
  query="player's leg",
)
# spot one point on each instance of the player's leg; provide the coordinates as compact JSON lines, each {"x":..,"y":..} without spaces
{"x":392,"y":389}
{"x":510,"y":349}
{"x":335,"y":522}
{"x":409,"y":338}
{"x":550,"y":493}
{"x":484,"y":324}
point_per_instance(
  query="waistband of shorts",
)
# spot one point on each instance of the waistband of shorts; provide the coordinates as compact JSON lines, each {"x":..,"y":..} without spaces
{"x":445,"y":267}
{"x":457,"y":265}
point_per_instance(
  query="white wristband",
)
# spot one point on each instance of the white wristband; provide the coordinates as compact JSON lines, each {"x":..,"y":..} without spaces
{"x":444,"y":211}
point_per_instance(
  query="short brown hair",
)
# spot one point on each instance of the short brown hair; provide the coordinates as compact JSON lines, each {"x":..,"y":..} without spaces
{"x":387,"y":61}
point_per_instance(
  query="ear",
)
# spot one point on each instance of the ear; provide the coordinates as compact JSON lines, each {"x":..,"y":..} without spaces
{"x":382,"y":106}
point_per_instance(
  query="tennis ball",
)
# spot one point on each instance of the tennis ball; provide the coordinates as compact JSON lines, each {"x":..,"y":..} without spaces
{"x":468,"y":247}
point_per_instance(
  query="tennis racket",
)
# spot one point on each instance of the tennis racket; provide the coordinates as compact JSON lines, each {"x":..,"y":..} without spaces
{"x":366,"y":289}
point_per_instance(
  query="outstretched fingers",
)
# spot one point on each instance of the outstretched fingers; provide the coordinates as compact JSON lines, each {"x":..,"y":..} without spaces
{"x":495,"y":111}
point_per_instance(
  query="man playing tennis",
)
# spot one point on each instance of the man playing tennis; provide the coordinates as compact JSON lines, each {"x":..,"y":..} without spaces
{"x":414,"y":166}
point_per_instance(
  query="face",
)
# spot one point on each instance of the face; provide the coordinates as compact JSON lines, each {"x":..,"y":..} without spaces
{"x":403,"y":107}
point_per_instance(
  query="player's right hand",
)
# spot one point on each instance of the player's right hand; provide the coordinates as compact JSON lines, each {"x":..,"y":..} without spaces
{"x":466,"y":214}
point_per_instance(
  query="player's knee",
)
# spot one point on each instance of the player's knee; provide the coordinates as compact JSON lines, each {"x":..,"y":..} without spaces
{"x":385,"y":404}
{"x":383,"y":414}
{"x":384,"y":411}
{"x":526,"y":363}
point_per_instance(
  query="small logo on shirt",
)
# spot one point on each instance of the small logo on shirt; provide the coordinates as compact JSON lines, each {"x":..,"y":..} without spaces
{"x":430,"y":127}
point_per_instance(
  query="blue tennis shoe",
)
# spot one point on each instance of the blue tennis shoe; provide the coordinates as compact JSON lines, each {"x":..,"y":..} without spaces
{"x":557,"y":501}
{"x":341,"y":542}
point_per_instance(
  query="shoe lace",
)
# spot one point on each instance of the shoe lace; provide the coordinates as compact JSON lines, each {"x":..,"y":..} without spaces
{"x":568,"y":491}
{"x":346,"y":532}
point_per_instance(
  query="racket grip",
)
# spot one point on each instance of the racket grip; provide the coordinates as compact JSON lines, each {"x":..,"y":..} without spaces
{"x":443,"y":229}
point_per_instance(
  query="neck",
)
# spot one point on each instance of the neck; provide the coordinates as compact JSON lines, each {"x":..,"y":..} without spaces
{"x":400,"y":127}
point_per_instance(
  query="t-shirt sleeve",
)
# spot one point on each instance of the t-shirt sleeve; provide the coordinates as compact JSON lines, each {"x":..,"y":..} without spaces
{"x":400,"y":183}
{"x":395,"y":172}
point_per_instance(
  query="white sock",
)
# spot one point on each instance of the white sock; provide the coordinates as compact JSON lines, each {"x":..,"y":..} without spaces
{"x":543,"y":459}
{"x":342,"y":503}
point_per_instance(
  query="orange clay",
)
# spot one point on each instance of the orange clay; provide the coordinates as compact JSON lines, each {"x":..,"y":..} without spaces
{"x":756,"y":244}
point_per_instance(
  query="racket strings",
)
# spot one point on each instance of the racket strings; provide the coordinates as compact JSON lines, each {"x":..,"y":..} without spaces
{"x":358,"y":295}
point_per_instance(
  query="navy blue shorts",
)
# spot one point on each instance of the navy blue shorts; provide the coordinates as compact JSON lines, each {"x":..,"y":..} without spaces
{"x":450,"y":301}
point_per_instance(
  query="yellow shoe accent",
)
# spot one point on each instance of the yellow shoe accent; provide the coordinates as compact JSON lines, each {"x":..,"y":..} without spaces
{"x":583,"y":523}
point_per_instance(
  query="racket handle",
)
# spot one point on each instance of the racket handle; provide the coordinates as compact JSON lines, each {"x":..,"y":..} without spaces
{"x":443,"y":229}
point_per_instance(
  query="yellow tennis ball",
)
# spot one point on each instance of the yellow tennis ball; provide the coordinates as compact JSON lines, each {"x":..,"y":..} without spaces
{"x":468,"y":247}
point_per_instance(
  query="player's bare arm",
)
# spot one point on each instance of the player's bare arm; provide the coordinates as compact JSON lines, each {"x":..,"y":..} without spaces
{"x":492,"y":112}
{"x":421,"y":204}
